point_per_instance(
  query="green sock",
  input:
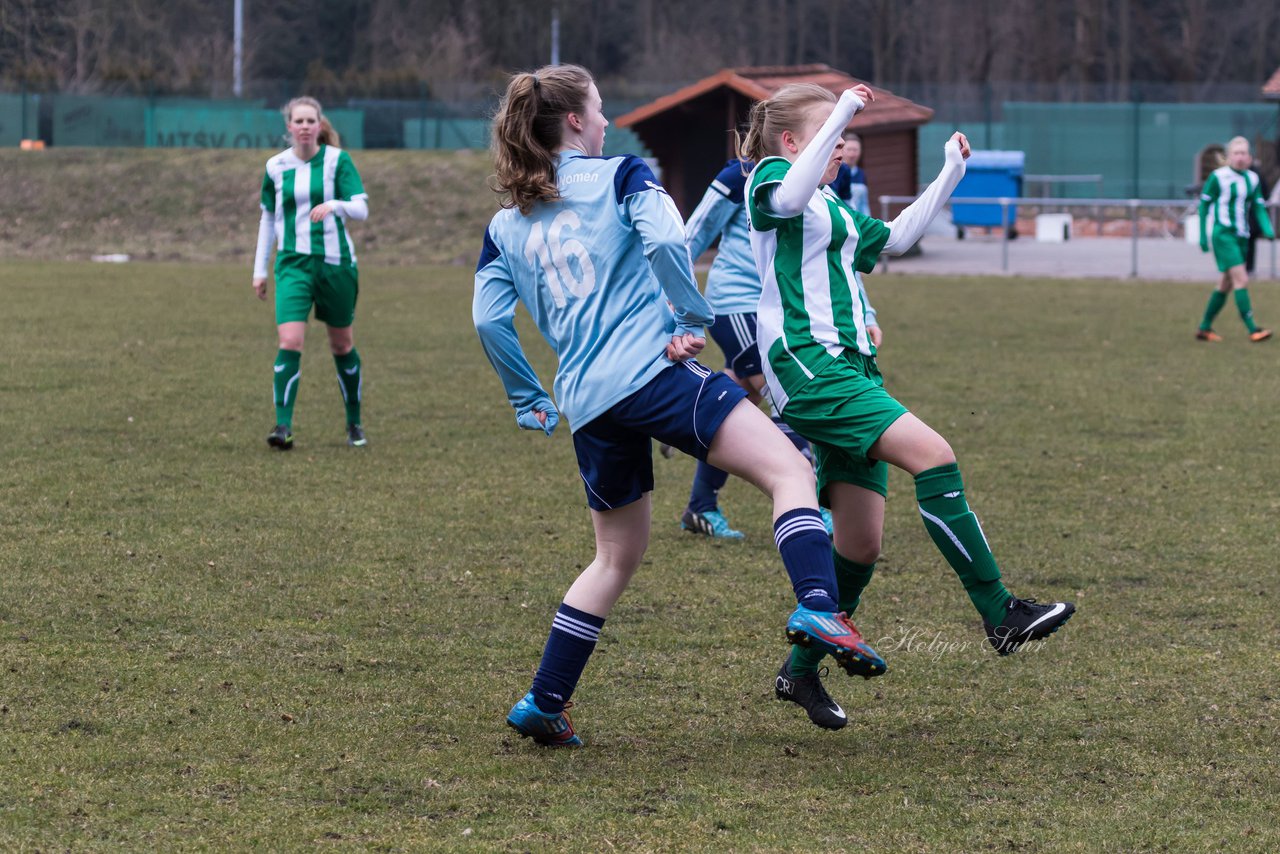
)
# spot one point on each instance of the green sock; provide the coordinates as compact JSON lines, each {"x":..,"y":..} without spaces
{"x":851,"y":579}
{"x":957,"y":534}
{"x":349,"y":381}
{"x":1246,"y":308}
{"x":1217,"y":300}
{"x":288,"y":370}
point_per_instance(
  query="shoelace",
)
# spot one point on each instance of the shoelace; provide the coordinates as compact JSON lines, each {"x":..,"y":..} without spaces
{"x":844,"y":618}
{"x":821,"y":690}
{"x":719,"y":524}
{"x":564,"y":713}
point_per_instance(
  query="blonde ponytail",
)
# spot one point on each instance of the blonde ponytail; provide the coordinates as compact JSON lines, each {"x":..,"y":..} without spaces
{"x":786,"y":109}
{"x":528,"y":128}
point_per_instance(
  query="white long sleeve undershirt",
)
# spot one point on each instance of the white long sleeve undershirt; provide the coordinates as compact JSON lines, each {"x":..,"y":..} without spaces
{"x":788,"y":198}
{"x":266,"y":236}
{"x":357,"y":208}
{"x":909,"y":225}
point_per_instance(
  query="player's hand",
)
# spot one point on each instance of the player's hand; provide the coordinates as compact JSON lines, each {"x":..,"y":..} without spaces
{"x":957,"y":148}
{"x":541,"y":416}
{"x":876,"y":336}
{"x":864,"y":93}
{"x":1204,"y":247}
{"x":321,"y":211}
{"x":685,"y":346}
{"x":260,"y":287}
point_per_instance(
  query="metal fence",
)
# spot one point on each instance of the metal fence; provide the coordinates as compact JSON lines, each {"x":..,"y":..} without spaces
{"x":1183,"y":211}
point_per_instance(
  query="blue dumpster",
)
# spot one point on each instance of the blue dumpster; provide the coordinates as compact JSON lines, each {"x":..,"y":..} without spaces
{"x":989,"y":174}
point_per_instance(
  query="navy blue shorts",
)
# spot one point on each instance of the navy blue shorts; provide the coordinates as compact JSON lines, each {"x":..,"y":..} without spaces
{"x":736,"y":335}
{"x":683,"y":406}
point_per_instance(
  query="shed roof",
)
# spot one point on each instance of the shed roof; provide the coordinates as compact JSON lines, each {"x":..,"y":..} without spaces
{"x":1271,"y":89}
{"x":887,"y":112}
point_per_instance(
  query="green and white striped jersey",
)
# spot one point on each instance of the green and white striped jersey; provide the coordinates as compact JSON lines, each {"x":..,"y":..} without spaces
{"x":1227,"y":200}
{"x":811,"y":309}
{"x":291,"y":187}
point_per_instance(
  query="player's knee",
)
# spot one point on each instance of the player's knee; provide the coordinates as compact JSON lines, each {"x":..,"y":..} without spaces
{"x":865,"y":551}
{"x":939,"y":453}
{"x":798,"y":469}
{"x":291,"y":342}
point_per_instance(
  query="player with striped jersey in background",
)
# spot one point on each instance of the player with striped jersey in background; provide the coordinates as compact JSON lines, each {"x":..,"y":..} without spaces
{"x":820,"y":362}
{"x":309,"y":192}
{"x":594,"y":248}
{"x":733,"y":290}
{"x":1231,"y":195}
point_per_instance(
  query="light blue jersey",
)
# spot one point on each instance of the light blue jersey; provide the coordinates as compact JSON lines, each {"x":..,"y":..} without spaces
{"x":733,"y":285}
{"x":596,"y":270}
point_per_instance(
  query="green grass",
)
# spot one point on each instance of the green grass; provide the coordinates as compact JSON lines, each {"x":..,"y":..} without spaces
{"x":206,"y":645}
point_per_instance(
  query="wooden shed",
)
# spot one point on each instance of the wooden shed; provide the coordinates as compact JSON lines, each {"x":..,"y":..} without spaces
{"x":690,"y":131}
{"x":1268,"y":162}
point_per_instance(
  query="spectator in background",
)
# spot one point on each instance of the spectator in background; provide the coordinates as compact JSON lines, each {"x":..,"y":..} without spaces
{"x":851,"y":182}
{"x":1230,"y":198}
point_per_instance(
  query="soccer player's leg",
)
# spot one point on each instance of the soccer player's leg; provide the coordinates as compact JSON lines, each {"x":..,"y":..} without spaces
{"x":857,"y":502}
{"x":735,"y":334}
{"x":1240,"y":290}
{"x":748,"y":445}
{"x":1217,"y":300}
{"x":617,"y":474}
{"x":1010,"y":622}
{"x":295,"y":289}
{"x":336,"y":306}
{"x":1226,"y":255}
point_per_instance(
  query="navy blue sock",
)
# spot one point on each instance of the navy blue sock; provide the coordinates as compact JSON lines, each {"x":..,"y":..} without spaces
{"x":573,"y":637}
{"x":801,"y":443}
{"x":806,"y":553}
{"x":707,"y":481}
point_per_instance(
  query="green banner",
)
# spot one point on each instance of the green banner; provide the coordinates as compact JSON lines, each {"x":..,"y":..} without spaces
{"x":90,"y":120}
{"x":179,"y":123}
{"x":18,"y":118}
{"x":223,"y":127}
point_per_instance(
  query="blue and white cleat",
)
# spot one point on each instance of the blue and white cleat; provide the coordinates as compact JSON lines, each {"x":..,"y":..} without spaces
{"x":546,"y":729}
{"x":709,"y":523}
{"x":828,"y":522}
{"x":835,"y":634}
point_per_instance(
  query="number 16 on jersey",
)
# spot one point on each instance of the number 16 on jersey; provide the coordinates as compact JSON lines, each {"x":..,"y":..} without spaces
{"x":553,"y":254}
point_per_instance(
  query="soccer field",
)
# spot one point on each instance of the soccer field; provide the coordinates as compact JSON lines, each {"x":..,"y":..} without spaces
{"x":208,"y":645}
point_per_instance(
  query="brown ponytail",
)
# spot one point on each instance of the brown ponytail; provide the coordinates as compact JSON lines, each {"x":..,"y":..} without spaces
{"x":327,"y":135}
{"x":786,"y":109}
{"x":528,"y":128}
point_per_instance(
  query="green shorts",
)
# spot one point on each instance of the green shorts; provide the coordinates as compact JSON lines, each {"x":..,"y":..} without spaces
{"x":1229,"y":249}
{"x":842,"y":412}
{"x":305,"y":279}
